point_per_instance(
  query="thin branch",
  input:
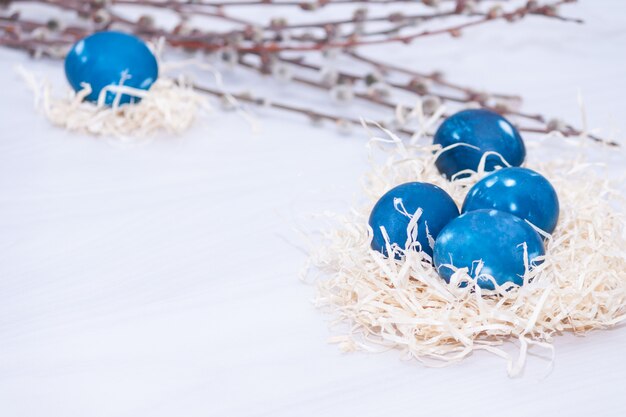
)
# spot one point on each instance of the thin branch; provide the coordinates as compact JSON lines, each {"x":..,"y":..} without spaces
{"x":40,"y":39}
{"x":312,"y":115}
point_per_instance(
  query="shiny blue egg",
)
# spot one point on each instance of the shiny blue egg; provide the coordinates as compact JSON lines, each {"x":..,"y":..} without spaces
{"x":106,"y":58}
{"x":519,"y":191}
{"x":484,"y":131}
{"x":396,"y":208}
{"x":494,"y":237}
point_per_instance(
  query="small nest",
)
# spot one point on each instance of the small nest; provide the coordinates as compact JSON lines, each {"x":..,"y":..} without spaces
{"x":385,"y":303}
{"x":171,"y":105}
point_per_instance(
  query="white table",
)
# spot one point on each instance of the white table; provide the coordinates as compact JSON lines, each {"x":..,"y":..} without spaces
{"x":163,"y":280}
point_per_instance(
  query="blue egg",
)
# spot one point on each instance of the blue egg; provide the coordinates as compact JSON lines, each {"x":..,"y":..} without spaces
{"x":395,"y":209}
{"x":106,"y":58}
{"x":494,"y":237}
{"x":485,"y":131}
{"x":519,"y":191}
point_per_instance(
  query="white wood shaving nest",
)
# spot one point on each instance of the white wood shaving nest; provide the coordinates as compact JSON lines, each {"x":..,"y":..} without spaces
{"x":380,"y":303}
{"x":171,"y":105}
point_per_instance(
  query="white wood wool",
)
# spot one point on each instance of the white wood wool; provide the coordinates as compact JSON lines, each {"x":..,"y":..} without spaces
{"x":379,"y":303}
{"x":171,"y":105}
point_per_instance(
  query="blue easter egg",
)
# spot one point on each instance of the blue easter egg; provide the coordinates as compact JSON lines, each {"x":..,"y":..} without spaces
{"x":105,"y":58}
{"x":395,"y":209}
{"x":519,"y":191}
{"x":485,"y":131}
{"x":494,"y":237}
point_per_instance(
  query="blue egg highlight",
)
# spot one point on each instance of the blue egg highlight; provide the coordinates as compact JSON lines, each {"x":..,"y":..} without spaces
{"x":494,"y":237}
{"x":518,"y":191}
{"x":104,"y":58}
{"x":484,"y":130}
{"x":437,"y":206}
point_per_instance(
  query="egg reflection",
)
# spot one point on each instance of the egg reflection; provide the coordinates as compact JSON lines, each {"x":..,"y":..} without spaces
{"x":491,"y":244}
{"x":394,"y":211}
{"x":111,"y":58}
{"x":481,"y":131}
{"x":518,"y":191}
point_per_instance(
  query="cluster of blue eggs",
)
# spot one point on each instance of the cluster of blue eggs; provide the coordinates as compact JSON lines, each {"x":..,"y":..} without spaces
{"x":109,"y":59}
{"x":491,"y":234}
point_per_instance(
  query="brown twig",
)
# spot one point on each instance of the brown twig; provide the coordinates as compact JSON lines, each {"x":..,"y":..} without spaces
{"x":304,"y":5}
{"x":270,"y":43}
{"x":313,"y":115}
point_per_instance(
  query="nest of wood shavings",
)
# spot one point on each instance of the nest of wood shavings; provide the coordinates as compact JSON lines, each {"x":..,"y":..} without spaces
{"x":171,"y":105}
{"x":384,"y":303}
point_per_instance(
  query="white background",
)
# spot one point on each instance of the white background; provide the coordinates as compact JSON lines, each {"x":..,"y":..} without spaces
{"x":163,"y":280}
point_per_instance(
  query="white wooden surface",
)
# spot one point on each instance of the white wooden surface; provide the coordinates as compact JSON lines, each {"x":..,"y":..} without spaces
{"x":162,"y":280}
